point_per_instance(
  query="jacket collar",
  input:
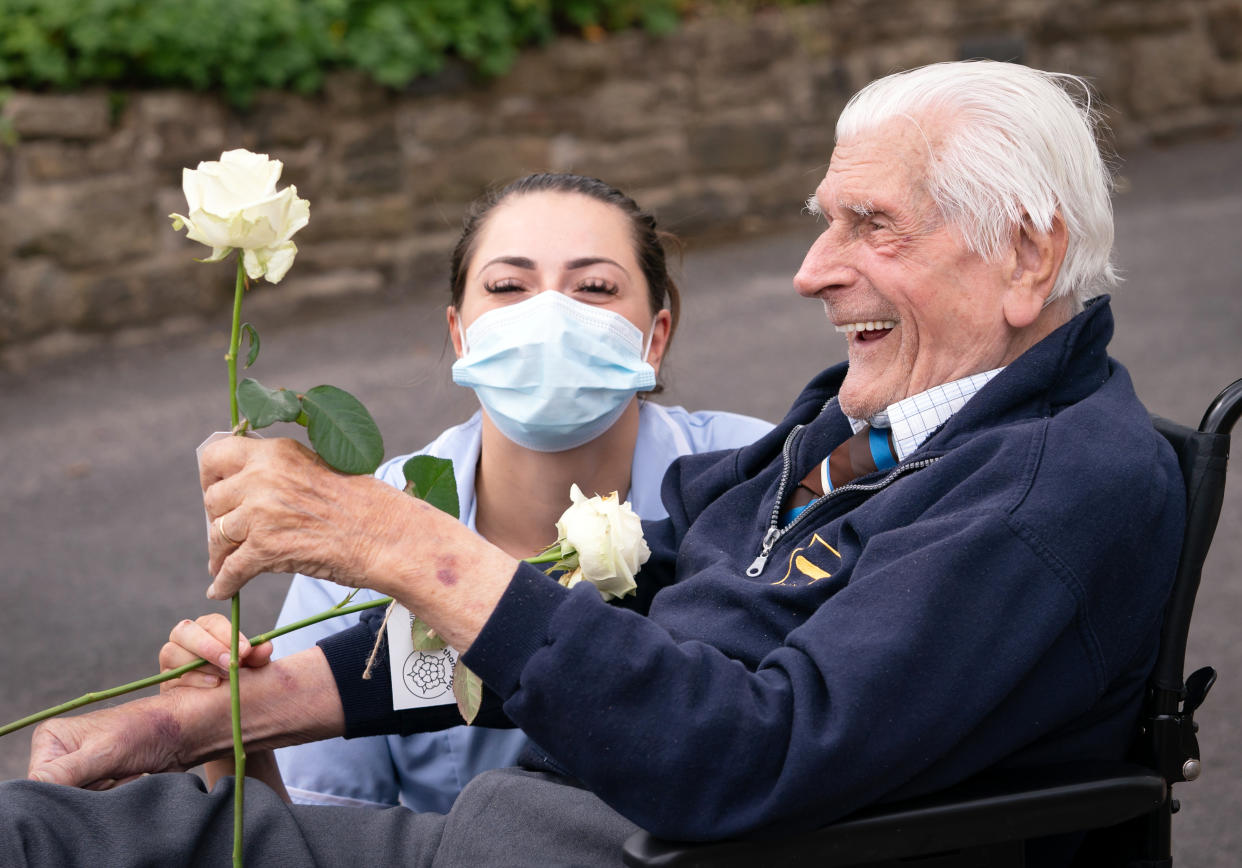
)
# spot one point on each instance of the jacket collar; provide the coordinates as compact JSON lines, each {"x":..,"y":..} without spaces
{"x":1059,"y":371}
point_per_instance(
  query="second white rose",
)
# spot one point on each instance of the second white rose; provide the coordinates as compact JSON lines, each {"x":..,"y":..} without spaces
{"x":608,"y":539}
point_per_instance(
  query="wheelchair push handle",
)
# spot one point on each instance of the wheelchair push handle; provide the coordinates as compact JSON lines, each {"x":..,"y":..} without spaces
{"x":1224,"y":411}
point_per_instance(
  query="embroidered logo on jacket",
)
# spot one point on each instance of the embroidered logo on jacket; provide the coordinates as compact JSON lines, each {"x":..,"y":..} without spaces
{"x":816,"y":560}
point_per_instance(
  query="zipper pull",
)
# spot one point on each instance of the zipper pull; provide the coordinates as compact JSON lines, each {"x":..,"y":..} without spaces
{"x":769,"y":540}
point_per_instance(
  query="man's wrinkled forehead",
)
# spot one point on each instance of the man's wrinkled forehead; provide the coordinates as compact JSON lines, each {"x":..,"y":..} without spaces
{"x":875,"y":169}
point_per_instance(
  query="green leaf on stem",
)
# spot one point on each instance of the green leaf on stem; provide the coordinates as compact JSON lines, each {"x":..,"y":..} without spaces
{"x":468,"y":691}
{"x":342,"y":431}
{"x":252,"y":337}
{"x":262,"y":406}
{"x":424,"y":638}
{"x":431,"y":479}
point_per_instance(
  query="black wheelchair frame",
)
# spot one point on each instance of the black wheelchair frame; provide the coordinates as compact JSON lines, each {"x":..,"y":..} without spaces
{"x":1125,"y":808}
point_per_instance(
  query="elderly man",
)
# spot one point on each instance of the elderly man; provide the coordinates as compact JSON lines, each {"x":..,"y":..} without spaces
{"x":952,"y":555}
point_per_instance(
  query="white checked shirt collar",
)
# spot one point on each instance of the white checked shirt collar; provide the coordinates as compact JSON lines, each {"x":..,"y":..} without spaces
{"x":913,"y":419}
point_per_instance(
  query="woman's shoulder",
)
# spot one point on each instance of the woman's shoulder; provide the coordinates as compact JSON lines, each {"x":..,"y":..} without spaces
{"x":704,"y":430}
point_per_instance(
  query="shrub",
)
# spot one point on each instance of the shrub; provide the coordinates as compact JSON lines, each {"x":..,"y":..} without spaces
{"x":240,"y":45}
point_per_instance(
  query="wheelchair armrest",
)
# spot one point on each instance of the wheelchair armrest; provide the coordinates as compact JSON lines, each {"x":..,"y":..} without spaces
{"x":1014,"y":805}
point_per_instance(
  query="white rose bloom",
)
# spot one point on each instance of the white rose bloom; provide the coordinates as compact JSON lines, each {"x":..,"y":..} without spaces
{"x":608,"y":539}
{"x":234,"y":203}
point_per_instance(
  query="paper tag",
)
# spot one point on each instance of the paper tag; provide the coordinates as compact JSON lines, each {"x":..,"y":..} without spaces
{"x":419,"y":678}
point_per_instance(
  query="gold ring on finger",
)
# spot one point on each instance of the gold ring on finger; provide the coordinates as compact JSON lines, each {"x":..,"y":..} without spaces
{"x":219,"y":524}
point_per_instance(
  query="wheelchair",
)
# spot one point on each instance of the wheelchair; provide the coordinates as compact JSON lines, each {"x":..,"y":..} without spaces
{"x":1123,"y":809}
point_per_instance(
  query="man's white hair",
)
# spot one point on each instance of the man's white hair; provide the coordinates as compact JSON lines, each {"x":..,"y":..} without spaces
{"x":1009,"y":143}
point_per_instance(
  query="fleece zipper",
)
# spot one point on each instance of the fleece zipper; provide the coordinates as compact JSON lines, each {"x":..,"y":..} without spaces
{"x":775,"y":531}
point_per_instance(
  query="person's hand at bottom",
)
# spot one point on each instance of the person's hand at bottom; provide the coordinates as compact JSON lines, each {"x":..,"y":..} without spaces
{"x":208,"y":637}
{"x":108,"y":747}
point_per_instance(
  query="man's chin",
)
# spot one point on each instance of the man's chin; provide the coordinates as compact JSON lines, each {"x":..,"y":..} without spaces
{"x":860,"y":403}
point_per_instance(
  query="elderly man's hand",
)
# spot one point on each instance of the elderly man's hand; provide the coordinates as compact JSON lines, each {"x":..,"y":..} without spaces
{"x":108,"y":747}
{"x":274,"y":506}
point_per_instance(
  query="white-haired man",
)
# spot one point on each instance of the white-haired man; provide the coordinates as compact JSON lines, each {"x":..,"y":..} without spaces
{"x":952,"y":554}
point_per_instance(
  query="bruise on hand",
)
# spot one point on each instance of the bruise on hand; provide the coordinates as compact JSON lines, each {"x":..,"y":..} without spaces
{"x":154,"y":747}
{"x":446,"y":571}
{"x":446,"y":577}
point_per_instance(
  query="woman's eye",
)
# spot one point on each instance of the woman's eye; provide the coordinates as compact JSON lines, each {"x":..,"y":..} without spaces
{"x":597,"y":286}
{"x":502,"y":286}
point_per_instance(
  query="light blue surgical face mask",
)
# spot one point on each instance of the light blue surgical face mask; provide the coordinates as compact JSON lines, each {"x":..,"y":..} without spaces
{"x":553,"y":373}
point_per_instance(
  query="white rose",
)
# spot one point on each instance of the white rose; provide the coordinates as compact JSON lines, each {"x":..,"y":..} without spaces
{"x":235,"y":203}
{"x":607,"y":538}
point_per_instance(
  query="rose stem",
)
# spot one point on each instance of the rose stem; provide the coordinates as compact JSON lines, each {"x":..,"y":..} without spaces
{"x":239,"y":749}
{"x":152,"y":680}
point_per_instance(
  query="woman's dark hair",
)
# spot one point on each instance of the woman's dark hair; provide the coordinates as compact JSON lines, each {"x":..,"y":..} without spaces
{"x":649,"y":242}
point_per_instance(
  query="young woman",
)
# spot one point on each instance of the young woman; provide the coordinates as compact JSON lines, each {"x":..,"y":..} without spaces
{"x":562,"y":310}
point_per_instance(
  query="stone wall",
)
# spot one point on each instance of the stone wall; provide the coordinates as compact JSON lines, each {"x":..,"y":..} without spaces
{"x":722,"y":128}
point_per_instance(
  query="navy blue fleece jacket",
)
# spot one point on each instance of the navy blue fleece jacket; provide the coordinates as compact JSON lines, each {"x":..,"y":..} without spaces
{"x":995,"y":599}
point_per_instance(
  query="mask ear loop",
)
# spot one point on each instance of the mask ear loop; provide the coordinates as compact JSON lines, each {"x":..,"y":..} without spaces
{"x":461,"y":330}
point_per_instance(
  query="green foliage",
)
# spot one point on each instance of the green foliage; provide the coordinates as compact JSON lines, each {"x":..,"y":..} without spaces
{"x":468,"y":691}
{"x":8,"y":135}
{"x":338,"y":426}
{"x":342,"y":431}
{"x":263,"y":406}
{"x":239,"y":46}
{"x":253,"y":336}
{"x":424,"y":638}
{"x":431,"y":479}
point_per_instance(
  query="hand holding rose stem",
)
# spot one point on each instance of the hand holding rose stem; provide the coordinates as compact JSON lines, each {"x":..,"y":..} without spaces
{"x":600,"y":541}
{"x":233,"y":204}
{"x":342,"y":608}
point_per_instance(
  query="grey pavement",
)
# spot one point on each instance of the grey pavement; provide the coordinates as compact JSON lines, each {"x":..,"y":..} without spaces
{"x":102,"y":535}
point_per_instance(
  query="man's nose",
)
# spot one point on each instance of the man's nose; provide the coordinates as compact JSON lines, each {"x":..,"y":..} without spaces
{"x":824,"y":267}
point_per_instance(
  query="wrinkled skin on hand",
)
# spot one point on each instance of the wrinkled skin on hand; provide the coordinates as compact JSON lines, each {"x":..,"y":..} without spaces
{"x":280,"y":509}
{"x":288,"y":701}
{"x":290,"y":513}
{"x":275,"y":507}
{"x":106,"y":748}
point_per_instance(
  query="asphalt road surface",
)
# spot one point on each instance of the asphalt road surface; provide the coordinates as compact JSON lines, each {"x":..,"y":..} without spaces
{"x":102,"y":541}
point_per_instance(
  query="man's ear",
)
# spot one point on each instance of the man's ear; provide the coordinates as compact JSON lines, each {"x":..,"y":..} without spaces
{"x":452,"y":316}
{"x":1037,"y":262}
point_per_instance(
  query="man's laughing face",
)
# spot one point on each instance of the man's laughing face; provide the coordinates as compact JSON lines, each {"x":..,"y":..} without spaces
{"x":917,"y":308}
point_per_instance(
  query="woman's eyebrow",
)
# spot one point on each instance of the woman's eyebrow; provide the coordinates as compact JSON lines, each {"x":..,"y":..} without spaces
{"x":515,"y":261}
{"x":587,"y":261}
